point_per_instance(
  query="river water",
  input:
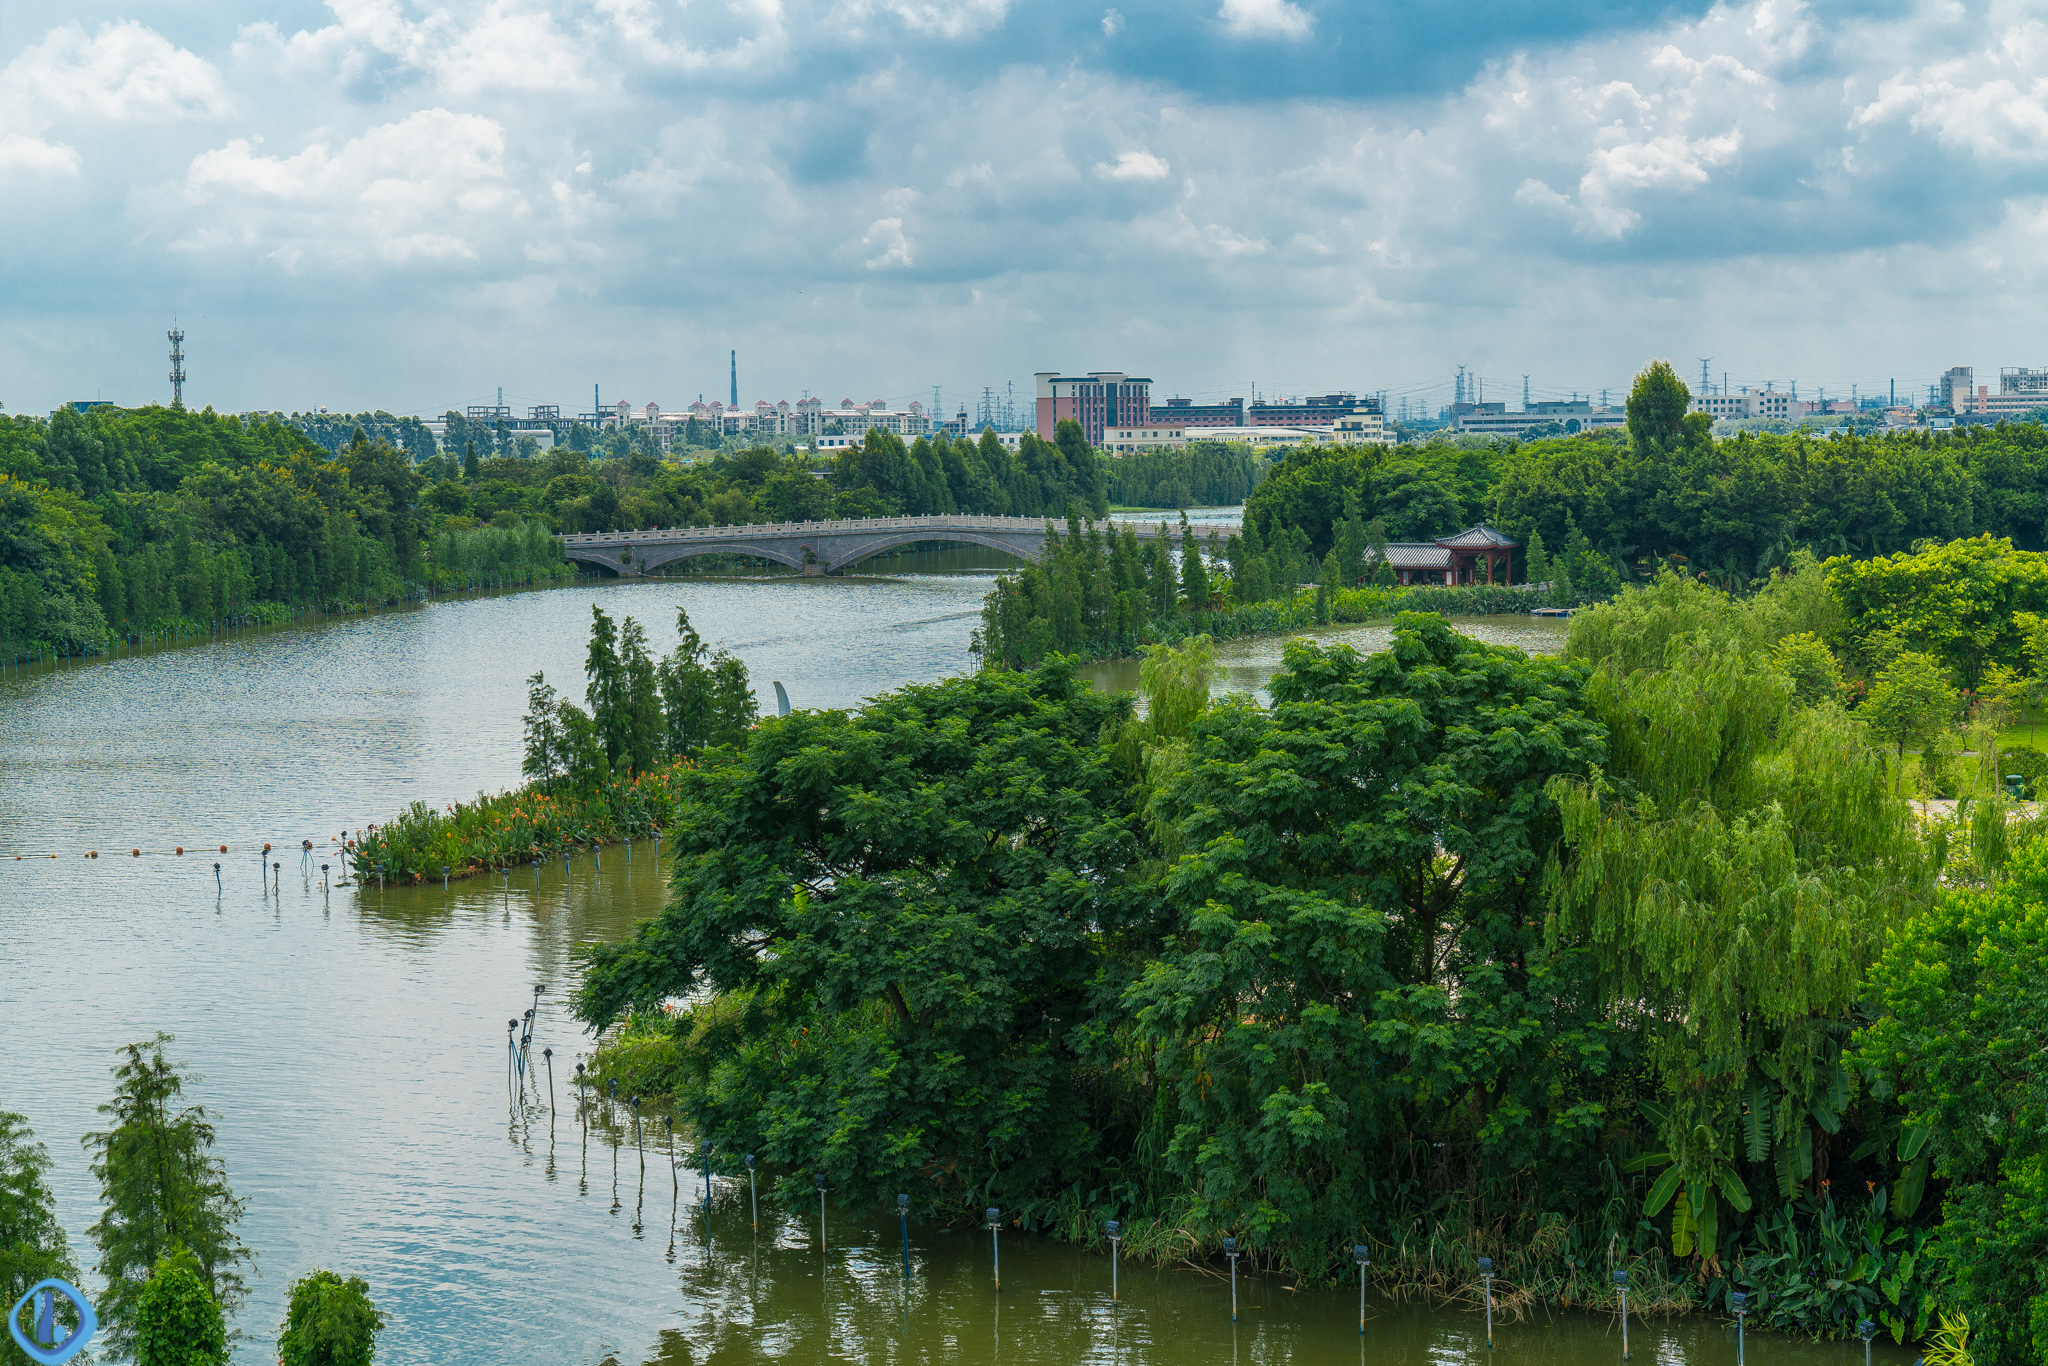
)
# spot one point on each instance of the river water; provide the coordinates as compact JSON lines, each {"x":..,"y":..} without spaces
{"x":352,"y":1042}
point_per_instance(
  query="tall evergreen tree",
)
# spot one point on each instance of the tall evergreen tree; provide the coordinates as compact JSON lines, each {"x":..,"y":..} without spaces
{"x":32,"y":1243}
{"x":545,"y":754}
{"x":606,"y":690}
{"x":162,"y":1188}
{"x":646,"y":733}
{"x":1194,"y":571}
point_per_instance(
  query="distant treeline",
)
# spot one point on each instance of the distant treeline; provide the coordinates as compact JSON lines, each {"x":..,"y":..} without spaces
{"x":1205,"y":474}
{"x":130,"y":521}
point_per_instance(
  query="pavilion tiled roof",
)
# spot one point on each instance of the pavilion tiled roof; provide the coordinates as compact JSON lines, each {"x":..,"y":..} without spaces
{"x":1481,"y":537}
{"x":1416,"y":555}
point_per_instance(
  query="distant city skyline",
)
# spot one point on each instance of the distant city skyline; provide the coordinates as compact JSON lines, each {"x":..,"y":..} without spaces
{"x":357,"y":205}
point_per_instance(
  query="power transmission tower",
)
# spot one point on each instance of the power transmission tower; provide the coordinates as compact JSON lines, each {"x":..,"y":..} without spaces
{"x":177,"y":336}
{"x":1525,"y":393}
{"x":1706,"y":385}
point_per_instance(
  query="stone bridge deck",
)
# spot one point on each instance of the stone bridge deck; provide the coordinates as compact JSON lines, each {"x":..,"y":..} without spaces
{"x":829,"y":547}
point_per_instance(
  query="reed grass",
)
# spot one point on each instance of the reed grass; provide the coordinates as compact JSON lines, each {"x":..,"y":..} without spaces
{"x":498,"y":830}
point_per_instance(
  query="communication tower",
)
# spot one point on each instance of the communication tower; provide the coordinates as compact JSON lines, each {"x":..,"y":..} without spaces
{"x":177,"y":336}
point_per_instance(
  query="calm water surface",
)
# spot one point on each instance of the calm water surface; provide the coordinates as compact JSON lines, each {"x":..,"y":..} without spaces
{"x":352,"y":1042}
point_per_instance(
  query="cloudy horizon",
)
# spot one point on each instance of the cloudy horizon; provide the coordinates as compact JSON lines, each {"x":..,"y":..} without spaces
{"x":371,"y":203}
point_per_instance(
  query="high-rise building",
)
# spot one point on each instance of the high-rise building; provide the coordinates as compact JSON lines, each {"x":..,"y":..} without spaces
{"x":1098,"y":400}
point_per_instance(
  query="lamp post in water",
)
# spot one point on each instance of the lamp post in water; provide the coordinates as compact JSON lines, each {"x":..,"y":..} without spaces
{"x":995,"y":1236}
{"x":1866,"y":1330}
{"x":1364,"y":1257}
{"x":820,"y":1179}
{"x":1621,"y":1284}
{"x":753,"y":1195}
{"x":1113,"y":1228}
{"x":1486,"y":1276}
{"x":903,"y":1217}
{"x":1738,"y":1304}
{"x":1230,"y":1251}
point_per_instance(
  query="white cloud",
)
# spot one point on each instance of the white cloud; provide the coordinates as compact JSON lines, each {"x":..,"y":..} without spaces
{"x":887,"y":233}
{"x":1266,"y":19}
{"x":32,"y":156}
{"x":1138,"y":165}
{"x":123,"y":74}
{"x":1992,"y":102}
{"x":647,"y":155}
{"x":428,"y":187}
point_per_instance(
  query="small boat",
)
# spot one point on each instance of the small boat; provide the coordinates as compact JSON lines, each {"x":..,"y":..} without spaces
{"x":1550,"y":611}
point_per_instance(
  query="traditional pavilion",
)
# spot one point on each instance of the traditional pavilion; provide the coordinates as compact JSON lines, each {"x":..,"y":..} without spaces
{"x":1481,"y":555}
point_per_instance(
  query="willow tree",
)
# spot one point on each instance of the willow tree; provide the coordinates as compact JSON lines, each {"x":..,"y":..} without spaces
{"x":1737,"y":865}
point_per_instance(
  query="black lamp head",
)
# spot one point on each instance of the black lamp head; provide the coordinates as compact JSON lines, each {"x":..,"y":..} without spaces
{"x":1358,"y":1251}
{"x":547,"y":1052}
{"x":1621,"y":1280}
{"x":1738,"y":1301}
{"x":994,"y":1215}
{"x":1230,"y":1247}
{"x":1113,"y":1227}
{"x":1486,"y":1266}
{"x":820,"y":1179}
{"x":903,"y":1203}
{"x":750,"y":1162}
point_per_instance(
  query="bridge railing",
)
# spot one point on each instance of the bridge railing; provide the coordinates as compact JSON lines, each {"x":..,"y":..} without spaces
{"x":841,"y":527}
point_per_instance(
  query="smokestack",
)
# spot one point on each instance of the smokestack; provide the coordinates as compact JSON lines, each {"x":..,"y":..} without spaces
{"x":735,"y":379}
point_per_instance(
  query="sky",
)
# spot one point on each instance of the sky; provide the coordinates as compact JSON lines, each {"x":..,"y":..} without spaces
{"x":380,"y":203}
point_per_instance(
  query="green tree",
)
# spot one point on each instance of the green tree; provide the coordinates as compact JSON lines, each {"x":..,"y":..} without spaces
{"x":1657,"y":406}
{"x":706,"y":697}
{"x":1912,"y":702}
{"x":894,"y":922}
{"x":32,"y":1243}
{"x":1961,"y":602}
{"x":646,"y":730}
{"x":1959,"y":1044}
{"x":1738,"y":862}
{"x":1194,"y":570}
{"x":608,"y":691}
{"x":1354,"y":978}
{"x":329,"y":1321}
{"x":1806,"y":660}
{"x":546,"y":755}
{"x":1535,"y":560}
{"x":177,"y":1322}
{"x":162,"y":1189}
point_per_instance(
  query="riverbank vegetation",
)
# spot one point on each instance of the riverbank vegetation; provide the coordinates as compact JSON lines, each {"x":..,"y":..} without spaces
{"x":594,"y":777}
{"x":175,"y":1267}
{"x":1096,"y":591}
{"x":1640,"y":958}
{"x":118,"y":523}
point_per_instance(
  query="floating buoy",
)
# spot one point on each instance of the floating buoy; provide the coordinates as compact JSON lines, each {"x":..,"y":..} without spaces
{"x":134,"y":853}
{"x":181,"y":848}
{"x":223,"y":848}
{"x":92,"y":853}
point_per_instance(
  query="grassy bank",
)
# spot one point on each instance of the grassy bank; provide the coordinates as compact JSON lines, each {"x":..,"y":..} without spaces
{"x":498,"y":830}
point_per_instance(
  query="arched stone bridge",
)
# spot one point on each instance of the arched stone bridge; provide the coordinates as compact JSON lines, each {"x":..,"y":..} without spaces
{"x":832,"y":546}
